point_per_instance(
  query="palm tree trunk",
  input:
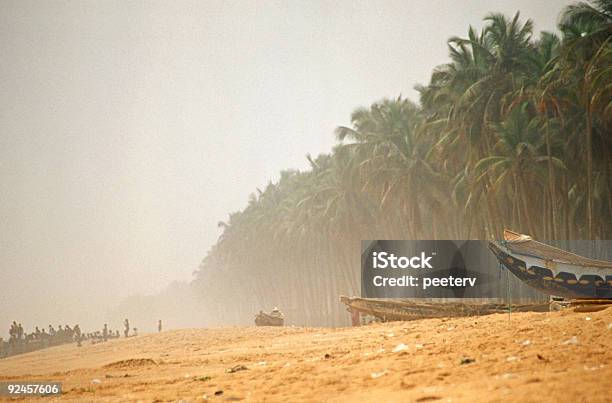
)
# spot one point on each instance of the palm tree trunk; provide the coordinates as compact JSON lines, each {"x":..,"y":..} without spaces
{"x":609,"y":195}
{"x":589,"y":151}
{"x":495,"y":215}
{"x":566,"y":220}
{"x":515,"y":204}
{"x":417,"y":222}
{"x":523,"y":198}
{"x":551,"y":183}
{"x":545,"y":216}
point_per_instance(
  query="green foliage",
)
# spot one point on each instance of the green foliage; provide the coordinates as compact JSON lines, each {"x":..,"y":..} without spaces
{"x":513,"y":132}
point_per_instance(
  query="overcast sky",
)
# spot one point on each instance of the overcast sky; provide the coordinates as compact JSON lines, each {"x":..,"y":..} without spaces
{"x":129,"y":129}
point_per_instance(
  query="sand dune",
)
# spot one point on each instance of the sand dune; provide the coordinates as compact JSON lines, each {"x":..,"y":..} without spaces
{"x":558,"y":356}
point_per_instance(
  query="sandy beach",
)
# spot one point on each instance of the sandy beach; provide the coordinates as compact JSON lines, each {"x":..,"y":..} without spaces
{"x":556,"y":356}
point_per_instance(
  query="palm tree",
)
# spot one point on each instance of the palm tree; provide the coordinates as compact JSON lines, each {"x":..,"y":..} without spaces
{"x":517,"y":164}
{"x":395,"y":167}
{"x":587,"y":30}
{"x":504,"y":135}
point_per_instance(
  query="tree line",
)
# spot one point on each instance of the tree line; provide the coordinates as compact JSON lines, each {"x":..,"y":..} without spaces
{"x":513,"y":132}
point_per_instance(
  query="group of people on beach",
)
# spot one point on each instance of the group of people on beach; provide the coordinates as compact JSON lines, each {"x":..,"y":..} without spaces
{"x":22,"y":342}
{"x":52,"y":337}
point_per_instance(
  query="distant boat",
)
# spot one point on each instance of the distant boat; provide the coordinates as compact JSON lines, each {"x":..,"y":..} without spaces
{"x":551,"y":270}
{"x":274,"y":318}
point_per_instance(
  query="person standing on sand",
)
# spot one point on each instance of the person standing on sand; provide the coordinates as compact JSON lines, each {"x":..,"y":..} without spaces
{"x":126,"y":326}
{"x":105,"y":332}
{"x":77,"y":334}
{"x":13,"y":332}
{"x":159,"y":326}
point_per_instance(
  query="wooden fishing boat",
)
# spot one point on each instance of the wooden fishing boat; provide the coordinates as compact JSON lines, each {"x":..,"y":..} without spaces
{"x":266,"y":319}
{"x":551,"y":270}
{"x":412,"y":309}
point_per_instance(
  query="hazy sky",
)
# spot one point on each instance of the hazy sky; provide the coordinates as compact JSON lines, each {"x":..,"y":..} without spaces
{"x":129,"y":129}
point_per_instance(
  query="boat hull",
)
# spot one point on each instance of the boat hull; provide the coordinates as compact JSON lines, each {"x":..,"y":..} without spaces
{"x":555,"y":278}
{"x":414,"y":309}
{"x":264,"y":319}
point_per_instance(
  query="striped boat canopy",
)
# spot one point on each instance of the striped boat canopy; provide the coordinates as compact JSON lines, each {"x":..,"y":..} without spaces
{"x":524,"y":245}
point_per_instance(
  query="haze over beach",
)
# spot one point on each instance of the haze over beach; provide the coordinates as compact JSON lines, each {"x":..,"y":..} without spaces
{"x":306,"y":201}
{"x":128,"y":130}
{"x":529,"y":357}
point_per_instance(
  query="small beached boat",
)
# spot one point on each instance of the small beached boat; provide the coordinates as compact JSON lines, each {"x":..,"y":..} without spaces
{"x":274,"y":318}
{"x":412,"y":309}
{"x":551,"y":270}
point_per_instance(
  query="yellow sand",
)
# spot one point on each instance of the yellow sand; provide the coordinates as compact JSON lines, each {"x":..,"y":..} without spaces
{"x":560,"y":356}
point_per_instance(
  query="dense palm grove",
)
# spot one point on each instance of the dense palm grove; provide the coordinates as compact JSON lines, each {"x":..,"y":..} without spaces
{"x":513,"y":132}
